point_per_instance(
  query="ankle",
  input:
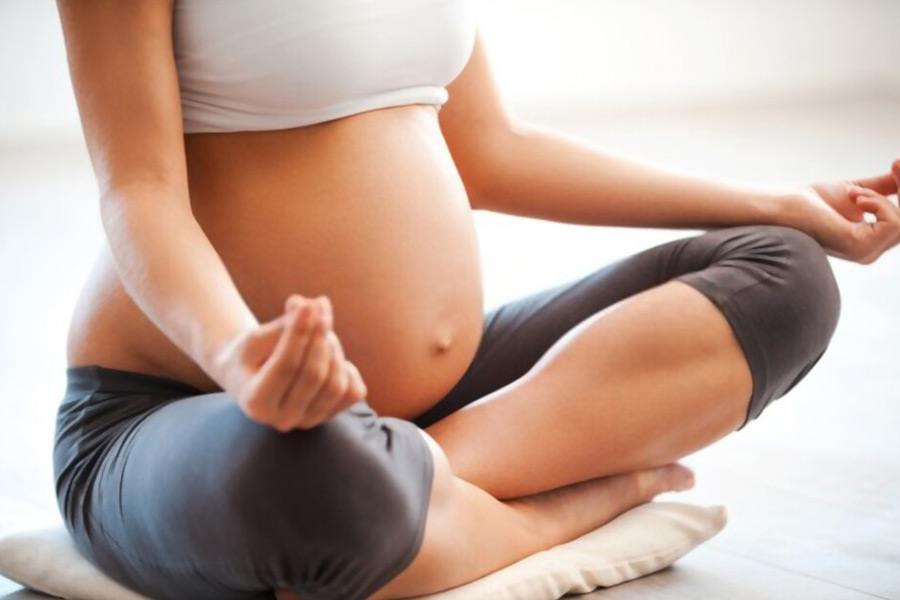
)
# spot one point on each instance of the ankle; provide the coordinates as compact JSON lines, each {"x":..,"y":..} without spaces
{"x":536,"y":523}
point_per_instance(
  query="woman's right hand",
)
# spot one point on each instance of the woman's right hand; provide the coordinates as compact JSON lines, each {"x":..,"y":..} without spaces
{"x":290,"y":372}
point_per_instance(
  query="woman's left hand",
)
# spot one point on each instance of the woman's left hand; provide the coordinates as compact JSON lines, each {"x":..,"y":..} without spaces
{"x":833,"y":212}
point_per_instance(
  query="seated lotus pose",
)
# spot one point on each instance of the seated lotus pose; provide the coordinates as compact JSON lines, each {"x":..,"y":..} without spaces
{"x":281,"y":377}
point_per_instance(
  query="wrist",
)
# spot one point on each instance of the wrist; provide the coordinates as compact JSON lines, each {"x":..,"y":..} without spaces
{"x":789,"y":207}
{"x":217,"y":348}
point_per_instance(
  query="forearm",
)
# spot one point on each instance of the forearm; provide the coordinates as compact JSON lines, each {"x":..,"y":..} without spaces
{"x":172,"y":272}
{"x":533,"y":171}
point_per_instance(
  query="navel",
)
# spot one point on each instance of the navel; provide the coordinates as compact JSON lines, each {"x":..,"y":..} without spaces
{"x":443,"y":340}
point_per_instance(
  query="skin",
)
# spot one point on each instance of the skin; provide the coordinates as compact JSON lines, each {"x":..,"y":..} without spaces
{"x":308,"y":268}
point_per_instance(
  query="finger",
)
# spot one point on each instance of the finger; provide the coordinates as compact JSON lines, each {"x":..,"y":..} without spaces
{"x":357,"y":389}
{"x":895,"y":171}
{"x":856,"y":190}
{"x":338,"y":347}
{"x":883,"y":184}
{"x":325,"y":403}
{"x":274,"y":379}
{"x":261,"y":342}
{"x":327,"y":310}
{"x":340,"y":380}
{"x":294,"y":301}
{"x":345,"y":393}
{"x":355,"y":392}
{"x":885,"y":232}
{"x":855,"y":193}
{"x":881,"y":207}
{"x":310,"y":377}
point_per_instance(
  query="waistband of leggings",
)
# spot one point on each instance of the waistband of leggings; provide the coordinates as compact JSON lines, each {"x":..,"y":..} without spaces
{"x":94,"y":378}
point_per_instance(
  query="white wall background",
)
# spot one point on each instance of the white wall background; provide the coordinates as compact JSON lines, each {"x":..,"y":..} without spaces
{"x":659,"y":53}
{"x":606,"y":54}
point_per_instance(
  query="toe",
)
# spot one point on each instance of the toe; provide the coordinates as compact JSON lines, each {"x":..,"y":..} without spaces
{"x":682,"y":478}
{"x":672,"y":477}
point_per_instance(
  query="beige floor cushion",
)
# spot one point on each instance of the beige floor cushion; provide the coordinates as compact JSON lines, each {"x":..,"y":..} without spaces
{"x":642,"y":540}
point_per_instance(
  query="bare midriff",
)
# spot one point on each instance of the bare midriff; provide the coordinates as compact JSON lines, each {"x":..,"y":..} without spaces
{"x":368,"y":209}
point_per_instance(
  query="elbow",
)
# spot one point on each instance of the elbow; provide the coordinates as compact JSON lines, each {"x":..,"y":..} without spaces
{"x":128,"y":205}
{"x":118,"y":196}
{"x":488,"y":164}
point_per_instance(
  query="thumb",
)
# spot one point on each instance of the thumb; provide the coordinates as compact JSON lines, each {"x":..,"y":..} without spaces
{"x":885,"y":184}
{"x":856,"y":191}
{"x":895,"y":170}
{"x":259,"y":343}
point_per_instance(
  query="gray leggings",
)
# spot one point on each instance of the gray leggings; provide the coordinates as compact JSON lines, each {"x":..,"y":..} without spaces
{"x":176,"y":494}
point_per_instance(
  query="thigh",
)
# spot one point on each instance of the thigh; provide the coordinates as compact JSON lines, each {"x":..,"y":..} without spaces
{"x":191,"y":499}
{"x":518,"y":333}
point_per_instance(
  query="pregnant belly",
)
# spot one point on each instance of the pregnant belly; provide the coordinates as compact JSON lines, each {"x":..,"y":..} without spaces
{"x":369,"y":210}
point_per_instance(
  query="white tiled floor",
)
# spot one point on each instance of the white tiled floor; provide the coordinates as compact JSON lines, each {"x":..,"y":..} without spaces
{"x":813,"y":487}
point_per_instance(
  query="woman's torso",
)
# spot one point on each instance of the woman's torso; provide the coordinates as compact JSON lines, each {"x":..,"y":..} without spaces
{"x":368,"y":209}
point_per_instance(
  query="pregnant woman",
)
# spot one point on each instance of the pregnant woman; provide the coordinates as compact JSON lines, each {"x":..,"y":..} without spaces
{"x":281,"y":378}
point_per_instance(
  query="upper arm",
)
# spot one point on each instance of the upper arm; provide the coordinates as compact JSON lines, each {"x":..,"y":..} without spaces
{"x":475,"y":119}
{"x":122,"y":65}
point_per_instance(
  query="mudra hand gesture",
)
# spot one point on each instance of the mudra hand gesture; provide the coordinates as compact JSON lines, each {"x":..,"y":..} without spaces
{"x":290,"y":372}
{"x":833,"y":212}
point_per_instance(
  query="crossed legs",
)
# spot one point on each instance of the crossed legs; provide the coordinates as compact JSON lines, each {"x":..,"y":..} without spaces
{"x":581,"y":396}
{"x":639,"y":363}
{"x":637,"y":385}
{"x":576,"y":404}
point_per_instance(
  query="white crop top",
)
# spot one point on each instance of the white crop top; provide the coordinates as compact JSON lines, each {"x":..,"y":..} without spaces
{"x":247,"y":65}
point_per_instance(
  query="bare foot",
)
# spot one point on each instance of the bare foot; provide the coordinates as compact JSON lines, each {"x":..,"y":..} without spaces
{"x":565,"y":513}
